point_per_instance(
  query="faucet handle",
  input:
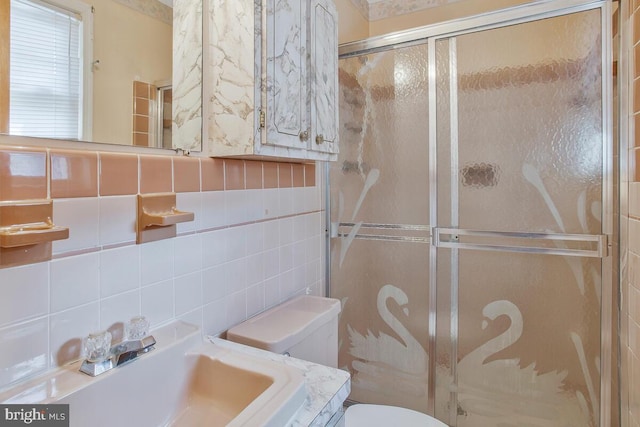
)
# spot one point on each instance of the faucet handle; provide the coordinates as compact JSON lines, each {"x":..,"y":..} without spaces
{"x":137,"y":328}
{"x":101,"y":357}
{"x":97,"y":346}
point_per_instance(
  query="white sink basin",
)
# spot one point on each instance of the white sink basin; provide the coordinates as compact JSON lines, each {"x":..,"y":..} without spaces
{"x":218,"y":392}
{"x":229,"y":388}
{"x":181,"y":383}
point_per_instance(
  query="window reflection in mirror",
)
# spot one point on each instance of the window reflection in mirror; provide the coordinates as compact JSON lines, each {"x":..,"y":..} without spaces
{"x":48,"y":97}
{"x":73,"y":68}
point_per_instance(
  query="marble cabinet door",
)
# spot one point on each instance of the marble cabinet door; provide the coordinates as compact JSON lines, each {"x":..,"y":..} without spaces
{"x":324,"y":76}
{"x":186,"y":133}
{"x":286,"y":74}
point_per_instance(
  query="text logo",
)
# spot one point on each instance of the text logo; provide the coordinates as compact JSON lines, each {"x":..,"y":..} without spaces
{"x":54,"y":415}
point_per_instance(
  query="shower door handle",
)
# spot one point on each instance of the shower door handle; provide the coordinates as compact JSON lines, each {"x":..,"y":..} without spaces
{"x":408,"y":233}
{"x":580,"y":245}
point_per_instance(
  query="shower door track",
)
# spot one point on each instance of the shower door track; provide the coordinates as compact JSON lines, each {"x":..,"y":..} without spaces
{"x":513,"y":15}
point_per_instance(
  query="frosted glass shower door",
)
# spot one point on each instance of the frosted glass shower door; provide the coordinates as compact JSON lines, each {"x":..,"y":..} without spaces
{"x":521,"y":236}
{"x":380,"y":230}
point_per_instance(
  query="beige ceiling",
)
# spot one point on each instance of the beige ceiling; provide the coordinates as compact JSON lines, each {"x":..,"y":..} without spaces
{"x":379,"y":9}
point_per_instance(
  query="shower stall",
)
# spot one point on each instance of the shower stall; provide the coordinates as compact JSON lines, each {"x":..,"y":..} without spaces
{"x":471,"y":225}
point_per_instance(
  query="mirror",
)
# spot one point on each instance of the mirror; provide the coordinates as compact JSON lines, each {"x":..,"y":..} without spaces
{"x":127,"y":69}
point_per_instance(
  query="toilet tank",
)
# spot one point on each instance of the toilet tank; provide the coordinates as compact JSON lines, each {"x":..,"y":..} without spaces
{"x":305,"y":327}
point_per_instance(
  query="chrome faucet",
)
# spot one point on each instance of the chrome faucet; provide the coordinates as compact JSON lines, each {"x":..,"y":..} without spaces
{"x":119,"y":354}
{"x":129,"y":350}
{"x":102,"y":356}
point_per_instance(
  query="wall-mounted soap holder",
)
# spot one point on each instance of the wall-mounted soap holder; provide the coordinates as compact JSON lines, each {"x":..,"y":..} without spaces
{"x":158,"y":216}
{"x":35,"y":233}
{"x":26,"y":232}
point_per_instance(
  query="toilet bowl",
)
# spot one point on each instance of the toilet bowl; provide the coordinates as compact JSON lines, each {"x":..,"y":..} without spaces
{"x":306,"y":327}
{"x":365,"y":415}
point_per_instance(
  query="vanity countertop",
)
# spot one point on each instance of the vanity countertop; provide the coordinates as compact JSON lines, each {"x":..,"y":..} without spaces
{"x":327,"y":387}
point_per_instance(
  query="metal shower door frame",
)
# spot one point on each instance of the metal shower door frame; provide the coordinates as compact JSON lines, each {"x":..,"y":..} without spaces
{"x":449,"y":30}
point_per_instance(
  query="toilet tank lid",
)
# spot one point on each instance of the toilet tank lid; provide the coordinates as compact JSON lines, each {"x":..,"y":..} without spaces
{"x":280,"y":328}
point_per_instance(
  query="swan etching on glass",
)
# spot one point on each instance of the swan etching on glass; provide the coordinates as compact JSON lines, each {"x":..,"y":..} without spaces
{"x":500,"y":392}
{"x":577,"y":265}
{"x":385,"y":361}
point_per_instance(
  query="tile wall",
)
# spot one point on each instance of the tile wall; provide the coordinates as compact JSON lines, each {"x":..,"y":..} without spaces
{"x":144,"y":97}
{"x":256,"y":240}
{"x":630,"y":326}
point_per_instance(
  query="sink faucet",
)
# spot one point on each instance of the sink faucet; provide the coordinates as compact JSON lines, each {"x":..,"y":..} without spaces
{"x":127,"y":351}
{"x":119,"y":355}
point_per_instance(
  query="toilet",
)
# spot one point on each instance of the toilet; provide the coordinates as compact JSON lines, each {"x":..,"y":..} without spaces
{"x":383,"y":416}
{"x":306,"y":327}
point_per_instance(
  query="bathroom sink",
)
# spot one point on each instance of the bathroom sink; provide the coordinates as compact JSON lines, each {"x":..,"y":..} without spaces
{"x":229,"y":388}
{"x":218,"y":392}
{"x":181,"y":383}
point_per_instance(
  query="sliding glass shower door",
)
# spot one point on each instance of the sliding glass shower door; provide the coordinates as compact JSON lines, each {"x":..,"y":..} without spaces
{"x":519,"y":233}
{"x":380,"y":214}
{"x":471,"y":224}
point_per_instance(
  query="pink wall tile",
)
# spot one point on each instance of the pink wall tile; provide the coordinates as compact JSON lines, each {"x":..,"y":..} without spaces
{"x":155,"y":174}
{"x":141,"y":89}
{"x":118,"y":174}
{"x":270,"y":174}
{"x":285,"y":179}
{"x":253,"y":172}
{"x":186,"y":174}
{"x":141,"y":124}
{"x":310,"y":175}
{"x":212,"y":174}
{"x":234,"y":174}
{"x":298,"y":175}
{"x":73,"y":174}
{"x":23,"y":174}
{"x":141,"y":106}
{"x":141,"y":139}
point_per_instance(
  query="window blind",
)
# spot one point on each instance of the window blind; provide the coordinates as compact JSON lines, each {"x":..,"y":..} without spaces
{"x":45,"y":71}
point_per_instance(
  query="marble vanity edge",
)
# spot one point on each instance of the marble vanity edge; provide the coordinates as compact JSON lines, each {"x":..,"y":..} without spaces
{"x":327,"y":387}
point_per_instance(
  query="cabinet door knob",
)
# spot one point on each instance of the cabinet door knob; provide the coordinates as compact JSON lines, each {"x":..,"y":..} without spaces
{"x":304,"y":136}
{"x":319,"y":139}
